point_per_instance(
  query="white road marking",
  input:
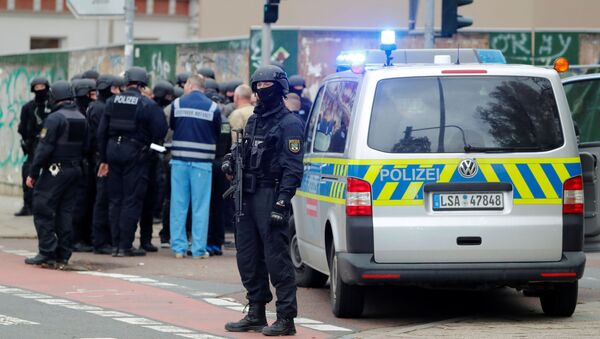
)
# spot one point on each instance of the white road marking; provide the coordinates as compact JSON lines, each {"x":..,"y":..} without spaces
{"x":110,"y":275}
{"x":591,"y":278}
{"x":141,"y":280}
{"x":164,"y":284}
{"x":11,"y":290}
{"x":221,"y":302}
{"x":8,"y":321}
{"x":306,"y":321}
{"x":200,"y":336}
{"x":169,"y":329}
{"x":138,"y":321}
{"x":326,"y":327}
{"x":79,"y":307}
{"x":55,"y":301}
{"x":110,"y":314}
{"x":23,"y":253}
{"x":32,"y":296}
{"x":237,"y":308}
{"x":203,"y":294}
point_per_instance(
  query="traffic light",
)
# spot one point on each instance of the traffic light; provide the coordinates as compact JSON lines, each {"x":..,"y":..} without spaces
{"x":271,"y":11}
{"x":451,"y":20}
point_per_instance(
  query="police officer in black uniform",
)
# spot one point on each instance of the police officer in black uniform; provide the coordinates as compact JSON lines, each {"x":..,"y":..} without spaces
{"x":56,"y":172}
{"x":33,"y":114}
{"x":297,"y":85}
{"x":182,"y":78}
{"x":273,"y":151}
{"x":107,"y":86}
{"x":85,"y":93}
{"x":131,"y":122}
{"x":163,"y":96}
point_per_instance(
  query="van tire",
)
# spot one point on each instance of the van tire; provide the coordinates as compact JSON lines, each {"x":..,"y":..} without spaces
{"x":561,"y":300}
{"x":346,"y":300}
{"x":305,"y":276}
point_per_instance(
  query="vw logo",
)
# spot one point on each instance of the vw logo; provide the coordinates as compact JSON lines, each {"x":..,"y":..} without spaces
{"x":468,"y":168}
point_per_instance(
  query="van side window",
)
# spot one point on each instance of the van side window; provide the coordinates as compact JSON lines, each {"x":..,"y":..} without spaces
{"x":312,"y":120}
{"x":334,"y":117}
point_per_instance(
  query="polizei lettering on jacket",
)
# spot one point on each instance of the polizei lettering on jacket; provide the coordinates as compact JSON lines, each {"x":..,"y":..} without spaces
{"x":410,"y":174}
{"x":125,"y":99}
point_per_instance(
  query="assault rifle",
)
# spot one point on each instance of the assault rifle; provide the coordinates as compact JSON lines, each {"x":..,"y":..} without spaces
{"x":235,"y":160}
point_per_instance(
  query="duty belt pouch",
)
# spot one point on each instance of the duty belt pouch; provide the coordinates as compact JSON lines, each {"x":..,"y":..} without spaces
{"x":256,"y":154}
{"x":249,"y":183}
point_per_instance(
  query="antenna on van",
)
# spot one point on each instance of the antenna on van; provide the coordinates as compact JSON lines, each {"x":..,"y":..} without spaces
{"x":458,"y":55}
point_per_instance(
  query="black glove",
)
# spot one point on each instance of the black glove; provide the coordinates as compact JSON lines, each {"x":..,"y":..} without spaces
{"x":280,"y":214}
{"x":227,"y":166}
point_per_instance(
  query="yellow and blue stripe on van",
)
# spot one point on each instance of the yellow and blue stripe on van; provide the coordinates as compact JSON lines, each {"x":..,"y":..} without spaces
{"x":400,"y":182}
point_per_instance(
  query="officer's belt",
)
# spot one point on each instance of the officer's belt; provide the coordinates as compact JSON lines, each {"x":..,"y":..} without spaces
{"x":64,"y":163}
{"x":120,"y":138}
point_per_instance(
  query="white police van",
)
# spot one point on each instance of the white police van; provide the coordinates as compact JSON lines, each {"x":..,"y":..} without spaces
{"x":440,"y":174}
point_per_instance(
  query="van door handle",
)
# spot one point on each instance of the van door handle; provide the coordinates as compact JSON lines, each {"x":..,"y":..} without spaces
{"x":468,"y":241}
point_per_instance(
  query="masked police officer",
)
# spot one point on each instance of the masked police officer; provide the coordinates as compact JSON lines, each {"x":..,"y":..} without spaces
{"x":58,"y":159}
{"x":107,"y":86}
{"x":297,"y":85}
{"x":273,"y":169}
{"x":33,"y":114}
{"x":131,"y":122}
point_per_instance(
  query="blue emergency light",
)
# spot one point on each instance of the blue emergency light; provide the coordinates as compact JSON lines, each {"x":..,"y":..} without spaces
{"x":388,"y":45}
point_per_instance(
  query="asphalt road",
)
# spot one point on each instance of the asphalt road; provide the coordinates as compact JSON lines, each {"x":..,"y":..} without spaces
{"x":168,"y":298}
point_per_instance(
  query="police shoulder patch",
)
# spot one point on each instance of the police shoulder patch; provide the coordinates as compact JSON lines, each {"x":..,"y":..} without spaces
{"x":294,"y":145}
{"x":43,"y":132}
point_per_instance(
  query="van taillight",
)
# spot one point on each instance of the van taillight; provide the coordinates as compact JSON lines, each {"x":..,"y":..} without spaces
{"x":573,"y":196}
{"x":358,"y":198}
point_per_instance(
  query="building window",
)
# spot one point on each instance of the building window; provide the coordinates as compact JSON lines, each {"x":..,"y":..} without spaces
{"x":40,"y":43}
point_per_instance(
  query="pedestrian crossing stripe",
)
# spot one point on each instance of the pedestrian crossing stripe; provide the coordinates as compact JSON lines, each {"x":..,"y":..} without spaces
{"x":401,"y":182}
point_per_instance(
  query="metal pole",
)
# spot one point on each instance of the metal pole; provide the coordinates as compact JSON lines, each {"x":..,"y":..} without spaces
{"x":429,"y":21}
{"x":129,"y":18}
{"x":266,"y":43}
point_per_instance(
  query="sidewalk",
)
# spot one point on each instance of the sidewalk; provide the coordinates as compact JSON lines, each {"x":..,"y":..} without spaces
{"x":11,"y":226}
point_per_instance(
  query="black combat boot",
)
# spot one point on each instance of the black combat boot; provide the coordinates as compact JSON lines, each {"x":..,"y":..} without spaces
{"x":255,"y":320}
{"x":40,"y":260}
{"x":281,"y":326}
{"x":23,"y":212}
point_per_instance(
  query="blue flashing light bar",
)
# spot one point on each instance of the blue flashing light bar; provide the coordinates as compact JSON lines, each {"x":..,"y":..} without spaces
{"x":373,"y":58}
{"x":388,"y":37}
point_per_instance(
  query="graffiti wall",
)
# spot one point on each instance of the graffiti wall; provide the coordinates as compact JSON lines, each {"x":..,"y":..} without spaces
{"x":228,"y":59}
{"x":16,"y":73}
{"x":158,"y":59}
{"x":104,"y":60}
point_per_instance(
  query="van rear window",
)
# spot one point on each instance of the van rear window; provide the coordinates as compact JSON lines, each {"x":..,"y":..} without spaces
{"x":464,"y":114}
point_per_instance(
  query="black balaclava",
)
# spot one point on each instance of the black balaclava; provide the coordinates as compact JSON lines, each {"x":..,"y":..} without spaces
{"x":41,"y":96}
{"x":163,"y":102}
{"x":270,"y":96}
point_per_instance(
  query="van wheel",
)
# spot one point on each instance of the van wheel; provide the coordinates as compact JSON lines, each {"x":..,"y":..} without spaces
{"x":346,"y":300}
{"x":305,"y":276}
{"x":560,"y":301}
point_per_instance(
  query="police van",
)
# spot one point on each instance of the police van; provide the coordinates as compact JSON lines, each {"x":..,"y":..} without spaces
{"x":439,"y":168}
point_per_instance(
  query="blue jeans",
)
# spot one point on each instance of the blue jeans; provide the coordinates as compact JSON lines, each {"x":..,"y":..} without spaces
{"x":190,"y":180}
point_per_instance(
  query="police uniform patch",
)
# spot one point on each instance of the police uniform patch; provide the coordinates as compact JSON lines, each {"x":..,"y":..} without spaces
{"x":294,"y":145}
{"x":43,"y":132}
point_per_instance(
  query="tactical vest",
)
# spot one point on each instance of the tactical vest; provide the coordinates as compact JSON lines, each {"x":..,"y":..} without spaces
{"x":123,"y":115}
{"x":69,"y":144}
{"x":224,"y":139}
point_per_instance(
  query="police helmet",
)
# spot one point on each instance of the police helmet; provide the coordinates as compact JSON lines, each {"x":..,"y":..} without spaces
{"x":232,"y":85}
{"x":207,"y":72}
{"x":90,"y":74}
{"x":182,"y":78}
{"x":60,"y":91}
{"x":162,"y":88}
{"x":177,"y":91}
{"x":136,"y":75}
{"x":211,"y":84}
{"x":82,"y":87}
{"x":76,"y":77}
{"x":104,"y":82}
{"x":118,"y":81}
{"x":277,"y":64}
{"x":297,"y":80}
{"x":273,"y":74}
{"x":39,"y":81}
